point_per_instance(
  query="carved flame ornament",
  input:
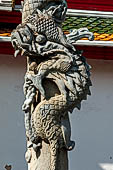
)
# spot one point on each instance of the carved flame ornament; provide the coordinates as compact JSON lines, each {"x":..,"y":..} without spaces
{"x":57,"y":77}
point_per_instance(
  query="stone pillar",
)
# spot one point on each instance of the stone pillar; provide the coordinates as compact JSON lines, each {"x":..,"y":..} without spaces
{"x":41,"y":160}
{"x":56,"y":81}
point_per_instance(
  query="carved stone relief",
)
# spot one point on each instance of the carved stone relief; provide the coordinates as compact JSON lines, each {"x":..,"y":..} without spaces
{"x":57,"y":77}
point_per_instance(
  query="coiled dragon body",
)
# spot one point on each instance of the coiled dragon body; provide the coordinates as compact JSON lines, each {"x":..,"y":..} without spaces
{"x":73,"y":83}
{"x":51,"y":57}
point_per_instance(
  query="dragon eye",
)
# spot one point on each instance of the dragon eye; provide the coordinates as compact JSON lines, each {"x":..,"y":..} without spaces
{"x":40,"y":39}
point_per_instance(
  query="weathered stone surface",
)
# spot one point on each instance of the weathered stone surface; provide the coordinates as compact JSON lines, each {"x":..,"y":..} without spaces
{"x":56,"y":81}
{"x":41,"y":159}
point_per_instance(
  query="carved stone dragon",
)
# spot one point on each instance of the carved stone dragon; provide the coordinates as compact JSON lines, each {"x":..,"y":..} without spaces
{"x":51,"y":57}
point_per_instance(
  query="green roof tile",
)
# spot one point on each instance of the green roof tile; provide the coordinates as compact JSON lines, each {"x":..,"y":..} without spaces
{"x":94,"y":24}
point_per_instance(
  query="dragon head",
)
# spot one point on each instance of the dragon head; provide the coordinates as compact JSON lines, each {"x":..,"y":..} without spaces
{"x":21,"y":39}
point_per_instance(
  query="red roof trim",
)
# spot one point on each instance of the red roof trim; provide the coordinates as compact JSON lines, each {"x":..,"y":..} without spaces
{"x":10,"y":17}
{"x":92,"y":52}
{"x":98,"y":5}
{"x":6,"y":48}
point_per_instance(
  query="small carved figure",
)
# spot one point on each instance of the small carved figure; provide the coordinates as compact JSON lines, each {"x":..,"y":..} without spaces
{"x":51,"y":57}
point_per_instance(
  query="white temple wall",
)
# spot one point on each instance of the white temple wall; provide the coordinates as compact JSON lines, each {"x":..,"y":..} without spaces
{"x":92,"y":127}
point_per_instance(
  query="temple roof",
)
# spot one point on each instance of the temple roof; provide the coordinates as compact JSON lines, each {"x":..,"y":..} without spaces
{"x":81,"y":14}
